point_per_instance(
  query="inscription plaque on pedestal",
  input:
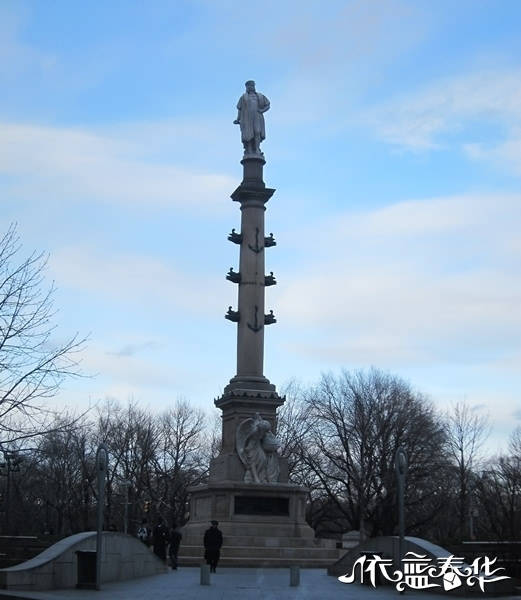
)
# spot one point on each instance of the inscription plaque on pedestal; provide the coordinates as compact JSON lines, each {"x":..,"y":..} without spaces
{"x":259,"y":505}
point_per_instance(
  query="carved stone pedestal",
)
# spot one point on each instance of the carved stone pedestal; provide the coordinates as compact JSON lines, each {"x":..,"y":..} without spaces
{"x":262,"y":525}
{"x":248,"y":510}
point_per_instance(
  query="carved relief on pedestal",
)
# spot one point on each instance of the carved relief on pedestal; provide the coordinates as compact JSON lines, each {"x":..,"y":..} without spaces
{"x":257,"y":448}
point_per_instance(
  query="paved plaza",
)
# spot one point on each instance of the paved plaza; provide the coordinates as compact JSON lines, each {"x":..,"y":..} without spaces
{"x":230,"y":584}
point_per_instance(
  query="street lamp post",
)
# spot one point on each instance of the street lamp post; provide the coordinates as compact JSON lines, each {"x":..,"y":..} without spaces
{"x":10,"y":465}
{"x":400,"y":466}
{"x":102,"y":460}
{"x":126,"y":484}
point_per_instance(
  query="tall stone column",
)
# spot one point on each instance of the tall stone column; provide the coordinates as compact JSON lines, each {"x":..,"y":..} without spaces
{"x":249,"y":391}
{"x":252,"y":195}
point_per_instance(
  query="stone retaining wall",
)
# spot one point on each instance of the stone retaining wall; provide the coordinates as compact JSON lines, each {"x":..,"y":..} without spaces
{"x":123,"y":557}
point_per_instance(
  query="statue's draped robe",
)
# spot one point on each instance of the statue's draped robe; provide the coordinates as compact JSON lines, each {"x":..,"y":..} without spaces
{"x":250,"y":119}
{"x":270,"y":445}
{"x":256,"y":457}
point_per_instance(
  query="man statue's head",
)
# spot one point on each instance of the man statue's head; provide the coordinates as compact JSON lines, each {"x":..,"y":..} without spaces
{"x":250,"y":86}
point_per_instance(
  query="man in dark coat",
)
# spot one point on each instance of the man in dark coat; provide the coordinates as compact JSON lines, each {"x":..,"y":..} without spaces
{"x":160,"y":539}
{"x":213,"y":540}
{"x":173,"y":547}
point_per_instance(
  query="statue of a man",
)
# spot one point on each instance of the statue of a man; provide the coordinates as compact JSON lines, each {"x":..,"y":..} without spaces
{"x":251,"y":107}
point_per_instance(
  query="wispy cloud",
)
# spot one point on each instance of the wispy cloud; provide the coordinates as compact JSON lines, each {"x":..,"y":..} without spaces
{"x":505,"y":155}
{"x":129,"y":370}
{"x":17,"y":56}
{"x":135,"y":279}
{"x":421,"y":120}
{"x":77,"y":164}
{"x":419,"y":282}
{"x":133,"y":349}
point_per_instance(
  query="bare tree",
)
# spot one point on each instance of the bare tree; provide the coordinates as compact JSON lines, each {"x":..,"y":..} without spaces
{"x":132,"y":437}
{"x":293,"y":429}
{"x":358,"y":421}
{"x":466,"y":432}
{"x":213,"y":438}
{"x":514,"y":444}
{"x":499,"y":493}
{"x":183,"y":457}
{"x":32,"y":364}
{"x":152,"y":458}
{"x":48,"y":492}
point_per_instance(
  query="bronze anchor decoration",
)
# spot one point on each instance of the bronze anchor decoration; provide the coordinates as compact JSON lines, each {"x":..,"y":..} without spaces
{"x":257,"y":248}
{"x":255,"y":328}
{"x":235,"y":237}
{"x":269,"y":279}
{"x":233,"y":276}
{"x":269,"y":241}
{"x":232,"y":315}
{"x":269,"y":319}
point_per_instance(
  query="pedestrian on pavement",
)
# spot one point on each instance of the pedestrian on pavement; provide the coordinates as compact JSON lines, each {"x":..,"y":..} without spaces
{"x":160,"y":539}
{"x":144,"y":533}
{"x":213,"y":540}
{"x":173,"y":547}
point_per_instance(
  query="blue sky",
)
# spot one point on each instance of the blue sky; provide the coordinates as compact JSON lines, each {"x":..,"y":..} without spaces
{"x":394,"y":143}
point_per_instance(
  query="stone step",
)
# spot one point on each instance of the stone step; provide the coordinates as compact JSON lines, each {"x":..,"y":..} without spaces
{"x":262,"y":552}
{"x":304,"y":563}
{"x":265,"y":541}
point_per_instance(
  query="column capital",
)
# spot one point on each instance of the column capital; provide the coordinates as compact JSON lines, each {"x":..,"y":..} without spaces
{"x":252,"y":196}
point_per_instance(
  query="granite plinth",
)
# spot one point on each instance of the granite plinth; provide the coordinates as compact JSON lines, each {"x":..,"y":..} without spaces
{"x":221,"y":500}
{"x":262,"y":524}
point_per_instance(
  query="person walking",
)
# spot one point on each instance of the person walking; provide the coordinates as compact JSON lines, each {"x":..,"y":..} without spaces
{"x":144,"y":533}
{"x":213,"y":540}
{"x":160,"y":539}
{"x":173,"y":547}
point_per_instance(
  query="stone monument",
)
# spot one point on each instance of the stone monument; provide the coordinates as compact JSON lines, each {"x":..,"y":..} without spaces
{"x":259,"y":512}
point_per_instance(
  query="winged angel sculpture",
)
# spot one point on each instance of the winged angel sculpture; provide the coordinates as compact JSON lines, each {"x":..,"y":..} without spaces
{"x":257,"y":448}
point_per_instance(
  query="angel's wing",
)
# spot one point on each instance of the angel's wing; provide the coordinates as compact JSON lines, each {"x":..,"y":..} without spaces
{"x":242,"y":434}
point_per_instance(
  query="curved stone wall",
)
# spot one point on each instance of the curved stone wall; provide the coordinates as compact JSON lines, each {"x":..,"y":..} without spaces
{"x":123,"y":557}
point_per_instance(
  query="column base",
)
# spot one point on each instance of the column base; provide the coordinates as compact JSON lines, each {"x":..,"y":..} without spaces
{"x":263,"y":525}
{"x":249,"y":383}
{"x":248,"y":509}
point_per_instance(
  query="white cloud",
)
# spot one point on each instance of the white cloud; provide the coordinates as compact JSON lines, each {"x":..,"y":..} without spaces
{"x":137,"y":279}
{"x":506,"y":155}
{"x":418,"y":121}
{"x":17,"y":56}
{"x":77,"y":164}
{"x":131,"y":370}
{"x":420,"y":217}
{"x":427,"y":282}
